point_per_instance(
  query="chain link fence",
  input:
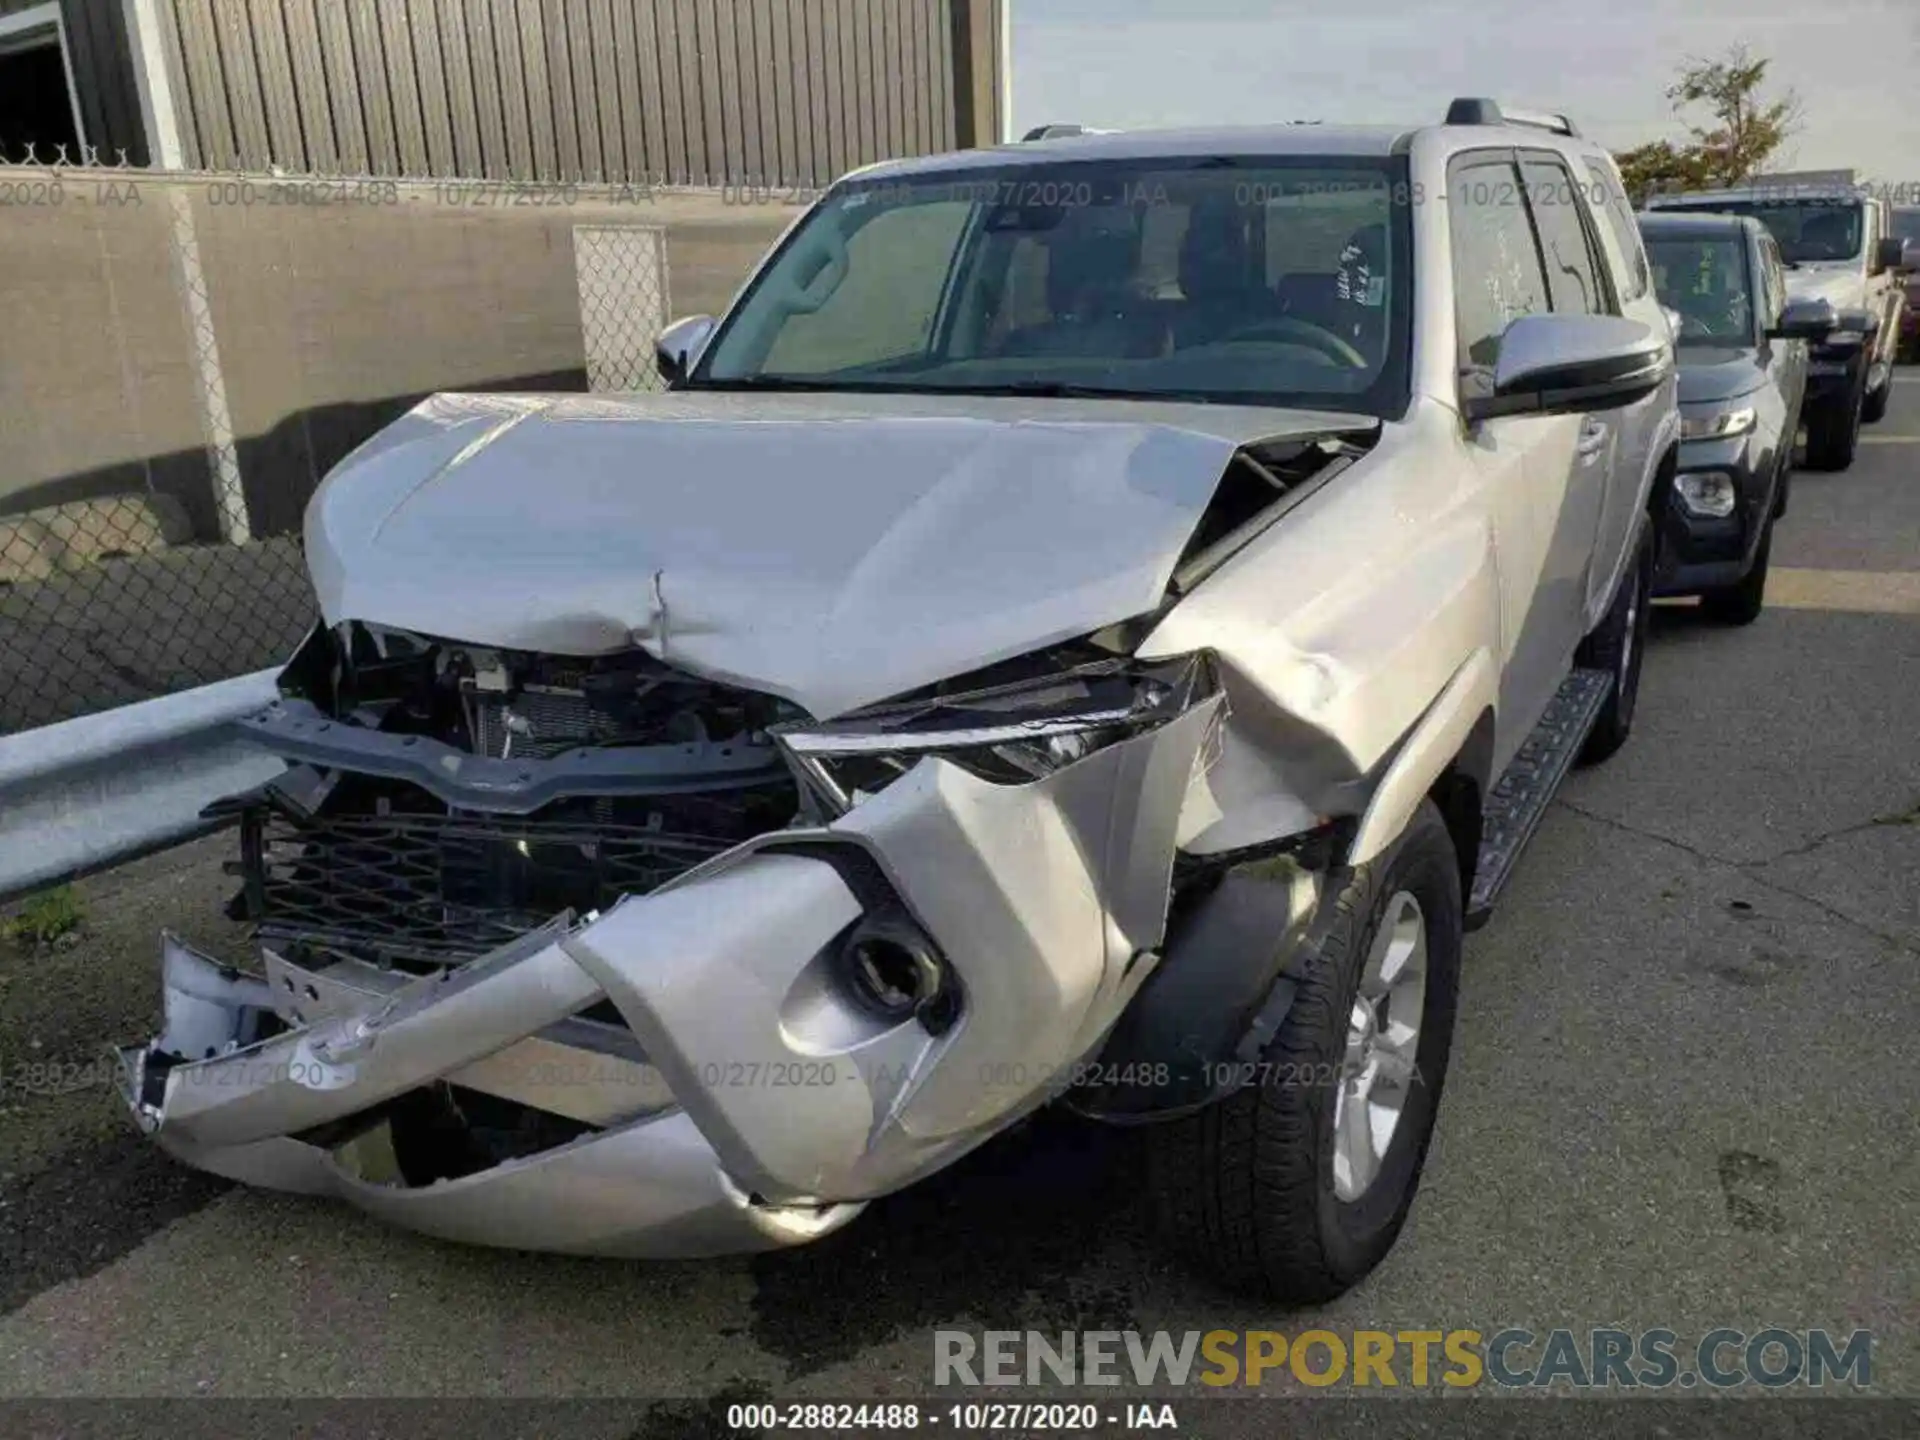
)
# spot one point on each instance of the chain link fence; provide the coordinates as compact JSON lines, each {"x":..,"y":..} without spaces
{"x":624,"y":303}
{"x":184,"y":365}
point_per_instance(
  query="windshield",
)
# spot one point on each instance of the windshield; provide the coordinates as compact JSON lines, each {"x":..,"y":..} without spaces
{"x":1906,"y":224}
{"x":1805,"y":230}
{"x":1705,"y":279}
{"x":1248,"y":281}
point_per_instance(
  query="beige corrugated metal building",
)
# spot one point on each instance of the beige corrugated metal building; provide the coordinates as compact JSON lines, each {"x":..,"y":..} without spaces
{"x":685,"y":92}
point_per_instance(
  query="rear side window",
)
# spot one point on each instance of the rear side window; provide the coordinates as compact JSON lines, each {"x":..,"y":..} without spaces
{"x":1774,"y":295}
{"x":1613,"y":204}
{"x":1496,"y":265}
{"x":1573,"y":281}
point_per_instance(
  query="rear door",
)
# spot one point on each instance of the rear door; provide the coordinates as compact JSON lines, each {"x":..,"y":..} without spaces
{"x":1786,"y":359}
{"x":1644,"y":424}
{"x":1530,"y":465}
{"x":1884,"y":295}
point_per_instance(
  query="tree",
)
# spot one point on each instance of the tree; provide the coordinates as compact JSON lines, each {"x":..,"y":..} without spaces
{"x":1743,"y":129}
{"x":1660,"y":165}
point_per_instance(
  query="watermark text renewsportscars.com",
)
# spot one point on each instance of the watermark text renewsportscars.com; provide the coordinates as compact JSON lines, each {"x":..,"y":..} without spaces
{"x":1513,"y":1358}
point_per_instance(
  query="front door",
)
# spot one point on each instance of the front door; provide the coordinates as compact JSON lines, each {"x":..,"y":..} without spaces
{"x":1544,"y":475}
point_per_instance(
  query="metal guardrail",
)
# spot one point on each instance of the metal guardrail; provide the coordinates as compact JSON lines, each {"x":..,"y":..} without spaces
{"x":102,"y":788}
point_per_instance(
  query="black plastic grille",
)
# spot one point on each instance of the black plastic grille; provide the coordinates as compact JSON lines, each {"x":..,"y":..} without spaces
{"x":443,"y":888}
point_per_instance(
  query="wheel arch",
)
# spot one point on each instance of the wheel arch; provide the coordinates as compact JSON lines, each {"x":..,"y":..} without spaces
{"x":1459,"y":793}
{"x":1206,"y":1001}
{"x":1454,"y":738}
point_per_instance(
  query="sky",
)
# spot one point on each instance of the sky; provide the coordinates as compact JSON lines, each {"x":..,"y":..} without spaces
{"x":1607,"y":63}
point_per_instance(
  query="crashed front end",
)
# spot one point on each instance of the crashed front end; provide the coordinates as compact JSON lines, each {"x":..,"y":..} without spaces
{"x":601,"y":956}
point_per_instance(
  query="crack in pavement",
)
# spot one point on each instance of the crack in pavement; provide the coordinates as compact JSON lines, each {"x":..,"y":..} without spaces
{"x":1750,"y":868}
{"x":1646,"y":834}
{"x":1908,"y":816}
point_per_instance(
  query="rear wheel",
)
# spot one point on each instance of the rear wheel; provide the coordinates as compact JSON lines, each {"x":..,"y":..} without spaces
{"x":1617,"y":646}
{"x":1874,"y":407}
{"x":1740,"y":604}
{"x":1295,"y":1187}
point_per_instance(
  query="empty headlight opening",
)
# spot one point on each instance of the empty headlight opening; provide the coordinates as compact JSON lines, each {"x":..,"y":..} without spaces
{"x":1010,"y":733}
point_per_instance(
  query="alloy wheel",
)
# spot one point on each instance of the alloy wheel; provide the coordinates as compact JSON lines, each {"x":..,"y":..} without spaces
{"x":1378,"y":1072}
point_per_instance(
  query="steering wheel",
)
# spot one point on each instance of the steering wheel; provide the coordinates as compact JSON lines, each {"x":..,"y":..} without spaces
{"x":1315,"y":337}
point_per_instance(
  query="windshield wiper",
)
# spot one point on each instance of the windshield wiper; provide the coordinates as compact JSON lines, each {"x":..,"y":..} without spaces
{"x":762,"y":382}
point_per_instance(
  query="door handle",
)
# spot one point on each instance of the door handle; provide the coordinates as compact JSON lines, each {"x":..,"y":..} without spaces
{"x":1593,"y":435}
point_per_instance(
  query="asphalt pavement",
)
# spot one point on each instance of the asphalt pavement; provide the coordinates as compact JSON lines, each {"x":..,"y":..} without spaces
{"x":1685,"y":1094}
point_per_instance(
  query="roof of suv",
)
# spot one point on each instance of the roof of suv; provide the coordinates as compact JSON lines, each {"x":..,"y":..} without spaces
{"x":1695,"y":223}
{"x":1158,"y":144}
{"x":1277,"y":140}
{"x":1761,"y":190}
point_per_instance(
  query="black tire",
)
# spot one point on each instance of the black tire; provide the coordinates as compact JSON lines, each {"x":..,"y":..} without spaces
{"x":1785,"y":488}
{"x":1833,"y":432}
{"x":1245,"y":1189}
{"x":1873,"y":408}
{"x":1741,"y":604}
{"x":1618,"y":645}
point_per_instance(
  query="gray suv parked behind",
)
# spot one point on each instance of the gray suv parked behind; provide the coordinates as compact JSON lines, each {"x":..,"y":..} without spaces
{"x":1837,"y":246}
{"x":1096,"y":622}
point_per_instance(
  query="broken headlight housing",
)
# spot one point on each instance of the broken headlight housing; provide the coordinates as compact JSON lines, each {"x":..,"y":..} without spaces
{"x":1009,"y":733}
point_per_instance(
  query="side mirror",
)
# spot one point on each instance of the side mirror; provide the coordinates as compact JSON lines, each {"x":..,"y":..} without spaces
{"x":1563,"y":364}
{"x":678,"y":349}
{"x":1887,"y":254}
{"x":1855,"y":322}
{"x":1805,"y":320}
{"x":1675,"y":320}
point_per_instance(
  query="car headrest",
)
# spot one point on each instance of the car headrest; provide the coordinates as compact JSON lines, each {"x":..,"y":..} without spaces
{"x":1826,"y":228}
{"x":1095,"y":258}
{"x":1214,"y":252}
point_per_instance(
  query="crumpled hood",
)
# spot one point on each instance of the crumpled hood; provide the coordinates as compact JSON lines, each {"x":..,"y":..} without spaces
{"x":1843,"y":287}
{"x":835,"y":550}
{"x":1712,"y":373}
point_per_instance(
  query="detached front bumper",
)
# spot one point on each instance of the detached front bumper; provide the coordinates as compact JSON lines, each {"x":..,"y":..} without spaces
{"x":752,"y":1098}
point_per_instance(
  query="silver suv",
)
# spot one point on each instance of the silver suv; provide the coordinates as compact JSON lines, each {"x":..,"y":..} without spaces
{"x":1095,"y":622}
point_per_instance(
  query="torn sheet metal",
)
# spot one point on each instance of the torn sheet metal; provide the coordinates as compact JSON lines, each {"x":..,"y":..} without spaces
{"x":776,"y":1100}
{"x":794,"y":537}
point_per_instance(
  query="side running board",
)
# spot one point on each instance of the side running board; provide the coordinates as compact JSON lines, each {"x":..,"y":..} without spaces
{"x":1526,"y":787}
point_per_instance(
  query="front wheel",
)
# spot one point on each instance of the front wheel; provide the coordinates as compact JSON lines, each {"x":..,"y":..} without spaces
{"x":1740,"y":604}
{"x":1618,"y":645}
{"x":1874,"y":408}
{"x":1295,"y":1187}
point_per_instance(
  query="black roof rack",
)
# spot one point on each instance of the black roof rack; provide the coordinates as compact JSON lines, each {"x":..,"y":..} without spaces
{"x":1477,"y":110}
